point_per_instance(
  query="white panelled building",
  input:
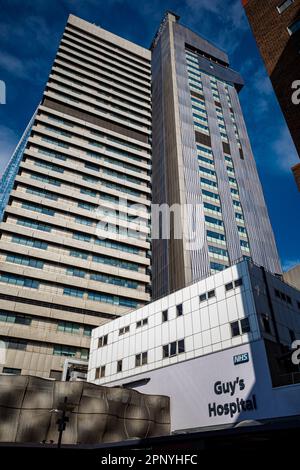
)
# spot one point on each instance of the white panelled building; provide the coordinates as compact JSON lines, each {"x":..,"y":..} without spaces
{"x":220,"y":348}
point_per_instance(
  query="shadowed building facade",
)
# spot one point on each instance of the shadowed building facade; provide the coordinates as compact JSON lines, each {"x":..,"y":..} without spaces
{"x":276,"y":28}
{"x":202,"y":157}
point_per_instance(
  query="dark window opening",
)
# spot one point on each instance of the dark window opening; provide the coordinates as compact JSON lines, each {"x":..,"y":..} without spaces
{"x":228,"y":286}
{"x":235,"y":328}
{"x":165,"y":315}
{"x":211,"y":294}
{"x":245,"y":325}
{"x":266,"y":324}
{"x":179,"y":310}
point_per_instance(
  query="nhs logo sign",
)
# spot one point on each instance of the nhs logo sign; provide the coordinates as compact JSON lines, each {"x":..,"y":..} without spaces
{"x":240,"y":358}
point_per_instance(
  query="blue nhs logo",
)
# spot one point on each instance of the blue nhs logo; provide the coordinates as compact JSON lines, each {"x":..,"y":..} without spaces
{"x":240,"y":358}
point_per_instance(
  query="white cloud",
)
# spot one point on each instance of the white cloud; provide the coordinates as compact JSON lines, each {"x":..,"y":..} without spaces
{"x":32,"y":69}
{"x":228,"y":13}
{"x":238,"y":16}
{"x":261,"y":82}
{"x":209,"y":5}
{"x":12,"y":64}
{"x":290,"y":263}
{"x":283,"y":146}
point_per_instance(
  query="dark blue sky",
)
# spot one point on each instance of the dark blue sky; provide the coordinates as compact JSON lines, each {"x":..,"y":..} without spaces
{"x":30,"y":31}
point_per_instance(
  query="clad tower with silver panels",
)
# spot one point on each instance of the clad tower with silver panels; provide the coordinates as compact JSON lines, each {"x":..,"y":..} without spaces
{"x":202,"y":158}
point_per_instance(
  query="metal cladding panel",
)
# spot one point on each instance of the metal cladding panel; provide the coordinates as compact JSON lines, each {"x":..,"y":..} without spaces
{"x":196,"y":228}
{"x":196,"y":41}
{"x":96,"y":413}
{"x":170,"y":260}
{"x":231,"y":232}
{"x":176,"y":176}
{"x":221,"y":72}
{"x":260,"y":233}
{"x":160,"y":248}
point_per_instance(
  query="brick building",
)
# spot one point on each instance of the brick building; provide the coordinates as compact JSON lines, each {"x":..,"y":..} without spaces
{"x":276,"y":27}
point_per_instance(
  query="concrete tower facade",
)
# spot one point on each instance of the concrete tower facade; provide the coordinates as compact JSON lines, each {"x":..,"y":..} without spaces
{"x":85,"y":156}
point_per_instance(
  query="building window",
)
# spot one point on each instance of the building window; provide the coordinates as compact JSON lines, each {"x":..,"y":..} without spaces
{"x":217,"y":266}
{"x":240,"y":327}
{"x":75,"y":272}
{"x":9,"y":317}
{"x":203,"y":297}
{"x":25,"y":261}
{"x":180,"y":346}
{"x":29,"y":242}
{"x":142,"y":322}
{"x":165,"y":316}
{"x":119,"y":365}
{"x":84,"y":353}
{"x":211,"y":294}
{"x":11,"y":370}
{"x":231,"y":285}
{"x":78,"y":254}
{"x":238,"y":282}
{"x":165,"y":350}
{"x":87,"y":330}
{"x":283,"y":296}
{"x":100,"y":372}
{"x":294,"y":27}
{"x":266,"y":323}
{"x":174,"y":348}
{"x":235,"y":328}
{"x":123,"y":330}
{"x":34,"y":207}
{"x":91,"y":166}
{"x":68,"y":327}
{"x":179,"y":310}
{"x":18,"y":344}
{"x":73,"y":292}
{"x":245,"y":325}
{"x":228,"y":286}
{"x":60,"y":350}
{"x":284,"y":5}
{"x":277,"y":293}
{"x":102,"y":341}
{"x":55,"y":374}
{"x":141,"y":359}
{"x":70,"y":351}
{"x":19,"y":281}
